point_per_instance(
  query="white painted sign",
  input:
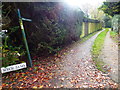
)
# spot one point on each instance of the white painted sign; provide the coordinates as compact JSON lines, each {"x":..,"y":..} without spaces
{"x":13,"y":67}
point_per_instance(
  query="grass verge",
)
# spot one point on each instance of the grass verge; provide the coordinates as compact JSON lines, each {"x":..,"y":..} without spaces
{"x":114,"y":36}
{"x":97,"y":47}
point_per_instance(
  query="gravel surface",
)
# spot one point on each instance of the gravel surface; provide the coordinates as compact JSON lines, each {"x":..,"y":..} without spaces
{"x":78,"y":70}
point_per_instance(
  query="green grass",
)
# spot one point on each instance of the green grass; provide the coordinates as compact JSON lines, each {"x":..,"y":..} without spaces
{"x":112,"y":33}
{"x":114,"y":36}
{"x":97,"y":47}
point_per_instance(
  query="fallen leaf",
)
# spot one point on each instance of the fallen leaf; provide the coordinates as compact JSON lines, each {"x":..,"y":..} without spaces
{"x":34,"y":87}
{"x":35,"y":80}
{"x":41,"y":86}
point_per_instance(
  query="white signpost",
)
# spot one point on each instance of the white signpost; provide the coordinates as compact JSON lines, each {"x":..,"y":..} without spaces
{"x":13,"y":67}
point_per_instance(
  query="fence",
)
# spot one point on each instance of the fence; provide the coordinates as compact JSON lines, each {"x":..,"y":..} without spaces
{"x":90,"y":26}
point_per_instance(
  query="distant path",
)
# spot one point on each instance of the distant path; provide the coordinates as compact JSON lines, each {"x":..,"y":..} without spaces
{"x":110,"y":56}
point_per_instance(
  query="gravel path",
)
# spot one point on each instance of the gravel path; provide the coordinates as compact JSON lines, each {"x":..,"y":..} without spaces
{"x":110,"y":56}
{"x":78,"y":70}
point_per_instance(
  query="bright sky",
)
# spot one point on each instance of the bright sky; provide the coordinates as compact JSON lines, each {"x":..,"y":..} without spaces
{"x":79,"y":3}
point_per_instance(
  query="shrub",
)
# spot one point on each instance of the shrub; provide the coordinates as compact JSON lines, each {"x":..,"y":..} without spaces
{"x":10,"y":53}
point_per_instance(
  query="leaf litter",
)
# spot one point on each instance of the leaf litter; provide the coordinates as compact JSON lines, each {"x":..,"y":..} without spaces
{"x":69,"y":70}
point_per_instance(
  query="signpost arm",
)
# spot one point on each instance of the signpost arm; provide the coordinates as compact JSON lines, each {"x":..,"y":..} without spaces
{"x":24,"y":37}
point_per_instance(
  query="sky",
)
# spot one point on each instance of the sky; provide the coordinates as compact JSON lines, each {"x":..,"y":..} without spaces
{"x":79,"y":3}
{"x":87,"y":6}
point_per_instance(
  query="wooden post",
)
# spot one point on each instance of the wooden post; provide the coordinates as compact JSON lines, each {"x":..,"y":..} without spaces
{"x":24,"y":38}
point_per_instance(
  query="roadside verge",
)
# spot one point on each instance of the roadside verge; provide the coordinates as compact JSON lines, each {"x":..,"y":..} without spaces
{"x":96,"y":49}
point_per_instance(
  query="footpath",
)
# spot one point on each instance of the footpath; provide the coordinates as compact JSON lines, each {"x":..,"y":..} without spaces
{"x":110,"y":56}
{"x":74,"y":68}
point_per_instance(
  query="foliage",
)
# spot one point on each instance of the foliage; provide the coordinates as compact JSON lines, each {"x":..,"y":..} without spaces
{"x":9,"y":57}
{"x":107,"y":21}
{"x":44,"y":46}
{"x":116,"y":24}
{"x":110,"y":8}
{"x":114,"y":36}
{"x":95,"y":13}
{"x":10,"y":53}
{"x":53,"y":25}
{"x":96,"y":48}
{"x":112,"y":33}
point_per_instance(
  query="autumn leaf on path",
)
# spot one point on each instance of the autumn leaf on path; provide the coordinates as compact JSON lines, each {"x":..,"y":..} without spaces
{"x":35,"y":79}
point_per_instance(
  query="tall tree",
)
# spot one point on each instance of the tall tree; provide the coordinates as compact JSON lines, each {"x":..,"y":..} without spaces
{"x":111,"y":8}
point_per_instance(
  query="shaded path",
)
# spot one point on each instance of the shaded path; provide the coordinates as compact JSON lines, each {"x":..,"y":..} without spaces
{"x":73,"y":68}
{"x":110,"y":56}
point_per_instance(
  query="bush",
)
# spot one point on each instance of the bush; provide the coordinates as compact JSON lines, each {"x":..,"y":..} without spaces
{"x":53,"y":25}
{"x":10,"y":53}
{"x":116,"y":23}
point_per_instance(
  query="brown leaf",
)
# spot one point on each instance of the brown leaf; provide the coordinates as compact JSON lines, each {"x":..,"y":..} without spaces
{"x":17,"y":74}
{"x":34,"y":87}
{"x":35,"y":80}
{"x":41,"y":68}
{"x":41,"y":86}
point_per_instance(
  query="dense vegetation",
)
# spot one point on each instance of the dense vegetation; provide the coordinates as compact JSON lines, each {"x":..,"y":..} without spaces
{"x":53,"y":26}
{"x":111,"y":8}
{"x":116,"y":23}
{"x":107,"y":21}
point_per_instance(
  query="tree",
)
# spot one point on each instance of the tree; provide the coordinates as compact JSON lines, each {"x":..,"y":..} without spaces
{"x":53,"y":25}
{"x":107,"y":21}
{"x":110,"y":8}
{"x":96,"y":14}
{"x":86,"y":9}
